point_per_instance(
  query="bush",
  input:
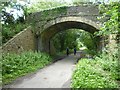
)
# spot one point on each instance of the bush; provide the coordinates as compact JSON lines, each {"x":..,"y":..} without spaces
{"x":8,"y":31}
{"x":14,"y":65}
{"x":110,"y":64}
{"x":90,"y":74}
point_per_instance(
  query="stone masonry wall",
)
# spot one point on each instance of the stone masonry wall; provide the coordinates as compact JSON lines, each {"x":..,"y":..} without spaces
{"x":42,"y":20}
{"x":38,"y":19}
{"x":23,"y":41}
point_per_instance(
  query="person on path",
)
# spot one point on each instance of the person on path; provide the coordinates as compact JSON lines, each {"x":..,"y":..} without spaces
{"x":74,"y":51}
{"x":67,"y":51}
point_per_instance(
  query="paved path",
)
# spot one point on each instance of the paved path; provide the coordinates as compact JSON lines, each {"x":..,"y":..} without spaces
{"x":56,"y":75}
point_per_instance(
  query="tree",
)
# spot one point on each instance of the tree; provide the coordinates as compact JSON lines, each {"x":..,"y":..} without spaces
{"x":74,"y":38}
{"x":111,"y":28}
{"x":12,"y":12}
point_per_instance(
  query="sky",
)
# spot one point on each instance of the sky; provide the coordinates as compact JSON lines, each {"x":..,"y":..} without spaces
{"x":20,"y":13}
{"x":68,"y":1}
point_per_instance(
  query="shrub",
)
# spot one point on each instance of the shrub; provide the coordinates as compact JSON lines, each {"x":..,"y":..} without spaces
{"x":17,"y":65}
{"x":90,"y":74}
{"x":110,"y":64}
{"x":8,"y":31}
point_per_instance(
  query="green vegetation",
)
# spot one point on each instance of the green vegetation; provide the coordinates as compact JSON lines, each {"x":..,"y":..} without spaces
{"x":103,"y":71}
{"x":43,"y":5}
{"x":0,"y":70}
{"x":112,"y":13}
{"x":9,"y":31}
{"x":78,"y":2}
{"x":75,"y":38}
{"x":11,"y":27}
{"x":14,"y":66}
{"x":96,"y":73}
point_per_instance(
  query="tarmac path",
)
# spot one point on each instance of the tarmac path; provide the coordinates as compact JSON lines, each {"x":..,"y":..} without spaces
{"x":56,"y":75}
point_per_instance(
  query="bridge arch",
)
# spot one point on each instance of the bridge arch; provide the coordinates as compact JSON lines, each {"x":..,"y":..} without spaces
{"x":71,"y":19}
{"x":57,"y":25}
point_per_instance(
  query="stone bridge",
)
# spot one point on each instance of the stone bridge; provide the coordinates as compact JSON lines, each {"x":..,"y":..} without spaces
{"x":49,"y":22}
{"x":45,"y":24}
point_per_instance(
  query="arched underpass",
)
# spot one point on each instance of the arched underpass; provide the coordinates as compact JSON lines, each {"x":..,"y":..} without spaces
{"x":57,"y":75}
{"x":45,"y":24}
{"x":48,"y":23}
{"x":64,"y":23}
